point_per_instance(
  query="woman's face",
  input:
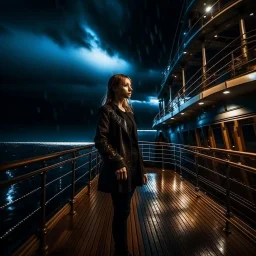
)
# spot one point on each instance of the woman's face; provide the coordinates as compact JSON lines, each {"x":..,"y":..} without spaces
{"x":125,"y":89}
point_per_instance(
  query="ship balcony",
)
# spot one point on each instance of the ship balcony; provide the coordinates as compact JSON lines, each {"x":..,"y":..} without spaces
{"x":218,"y":17}
{"x":229,"y":71}
{"x":198,"y":201}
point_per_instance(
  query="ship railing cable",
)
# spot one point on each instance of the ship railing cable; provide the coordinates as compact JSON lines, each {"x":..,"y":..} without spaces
{"x":208,"y":174}
{"x":77,"y":154}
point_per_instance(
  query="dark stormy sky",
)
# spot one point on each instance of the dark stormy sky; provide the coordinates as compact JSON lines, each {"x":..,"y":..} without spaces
{"x":57,"y":56}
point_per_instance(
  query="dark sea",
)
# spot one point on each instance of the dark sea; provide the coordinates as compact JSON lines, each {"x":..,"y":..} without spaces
{"x":20,"y":203}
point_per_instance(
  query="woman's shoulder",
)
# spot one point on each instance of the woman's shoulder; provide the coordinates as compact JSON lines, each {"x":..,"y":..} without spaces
{"x":106,"y":108}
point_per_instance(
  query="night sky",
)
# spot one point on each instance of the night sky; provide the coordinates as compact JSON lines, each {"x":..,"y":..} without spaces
{"x":56,"y":58}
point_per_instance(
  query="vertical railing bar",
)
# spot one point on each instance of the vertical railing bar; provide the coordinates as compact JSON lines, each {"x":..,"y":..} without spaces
{"x":43,"y":228}
{"x":228,"y":204}
{"x":162,"y":158}
{"x":197,"y":174}
{"x":180,"y":166}
{"x":90,"y":173}
{"x":72,"y":200}
{"x":175,"y":158}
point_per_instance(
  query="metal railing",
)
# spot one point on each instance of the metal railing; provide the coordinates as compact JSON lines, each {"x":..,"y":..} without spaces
{"x":219,"y":69}
{"x":216,"y":171}
{"x":229,"y":176}
{"x":216,"y":8}
{"x":90,"y":162}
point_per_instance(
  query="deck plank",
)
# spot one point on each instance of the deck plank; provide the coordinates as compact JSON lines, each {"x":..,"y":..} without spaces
{"x":167,"y":218}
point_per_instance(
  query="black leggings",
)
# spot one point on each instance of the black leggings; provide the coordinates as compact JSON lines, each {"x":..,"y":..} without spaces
{"x":122,"y":206}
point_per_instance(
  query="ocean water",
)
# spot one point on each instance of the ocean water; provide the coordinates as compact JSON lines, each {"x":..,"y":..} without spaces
{"x":20,"y":203}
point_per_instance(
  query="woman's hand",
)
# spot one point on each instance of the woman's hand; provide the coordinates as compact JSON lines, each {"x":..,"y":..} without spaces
{"x":145,"y":179}
{"x":121,"y":174}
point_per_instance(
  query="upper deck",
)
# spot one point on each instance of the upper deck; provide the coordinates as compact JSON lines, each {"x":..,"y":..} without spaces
{"x":216,"y":44}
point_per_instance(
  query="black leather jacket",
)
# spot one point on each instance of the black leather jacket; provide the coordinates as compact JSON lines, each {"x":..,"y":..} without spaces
{"x":114,"y":145}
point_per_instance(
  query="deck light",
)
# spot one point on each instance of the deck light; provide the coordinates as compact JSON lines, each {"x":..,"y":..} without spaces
{"x":251,"y":14}
{"x":208,"y":8}
{"x":226,"y":92}
{"x":172,"y":118}
{"x":216,"y":36}
{"x":184,"y":52}
{"x":204,"y":16}
{"x":201,"y":103}
{"x":182,"y":113}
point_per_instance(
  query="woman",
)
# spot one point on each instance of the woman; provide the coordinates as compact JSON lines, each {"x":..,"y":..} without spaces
{"x":122,"y":169}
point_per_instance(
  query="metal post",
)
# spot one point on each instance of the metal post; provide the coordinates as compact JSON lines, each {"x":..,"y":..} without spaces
{"x":197,"y":173}
{"x":162,"y":158}
{"x":72,"y":200}
{"x":228,"y":205}
{"x":243,"y":40}
{"x":90,"y":173}
{"x":183,"y":82}
{"x":43,"y":228}
{"x":163,"y":107}
{"x":149,"y":152}
{"x":180,"y":166}
{"x":233,"y":65}
{"x":175,"y":158}
{"x":203,"y":66}
{"x":96,"y":164}
{"x":170,"y":92}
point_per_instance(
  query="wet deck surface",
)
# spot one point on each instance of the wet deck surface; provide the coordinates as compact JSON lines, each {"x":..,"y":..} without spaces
{"x":167,"y":218}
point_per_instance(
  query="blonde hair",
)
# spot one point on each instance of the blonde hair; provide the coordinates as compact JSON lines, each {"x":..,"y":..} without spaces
{"x":114,"y":82}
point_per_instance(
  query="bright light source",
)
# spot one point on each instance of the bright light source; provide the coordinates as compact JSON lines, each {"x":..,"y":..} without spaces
{"x":182,"y":113}
{"x":216,"y":36}
{"x":251,"y":14}
{"x":204,"y":16}
{"x":172,"y":118}
{"x":184,"y":33}
{"x":184,"y":52}
{"x":226,"y":92}
{"x":204,"y":3}
{"x":201,"y":103}
{"x":208,"y":8}
{"x":175,"y":76}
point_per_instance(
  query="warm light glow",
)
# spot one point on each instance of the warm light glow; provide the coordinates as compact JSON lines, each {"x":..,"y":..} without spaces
{"x":201,"y":103}
{"x":216,"y":36}
{"x":182,"y":113}
{"x":226,"y":92}
{"x":251,"y":14}
{"x":204,"y":16}
{"x":172,"y":118}
{"x":208,"y":8}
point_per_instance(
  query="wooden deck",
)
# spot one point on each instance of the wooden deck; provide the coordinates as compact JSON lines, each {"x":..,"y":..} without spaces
{"x":166,"y":219}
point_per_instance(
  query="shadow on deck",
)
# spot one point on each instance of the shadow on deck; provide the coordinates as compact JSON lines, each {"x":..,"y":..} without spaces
{"x":167,"y":218}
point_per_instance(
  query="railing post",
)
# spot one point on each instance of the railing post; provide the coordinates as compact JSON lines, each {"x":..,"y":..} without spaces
{"x":228,"y":205}
{"x":162,"y":158}
{"x":197,"y":173}
{"x":233,"y":70}
{"x":43,"y":228}
{"x":149,"y":152}
{"x":90,"y":173}
{"x":175,"y":158}
{"x":180,"y":166}
{"x":72,"y":200}
{"x":96,"y":164}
